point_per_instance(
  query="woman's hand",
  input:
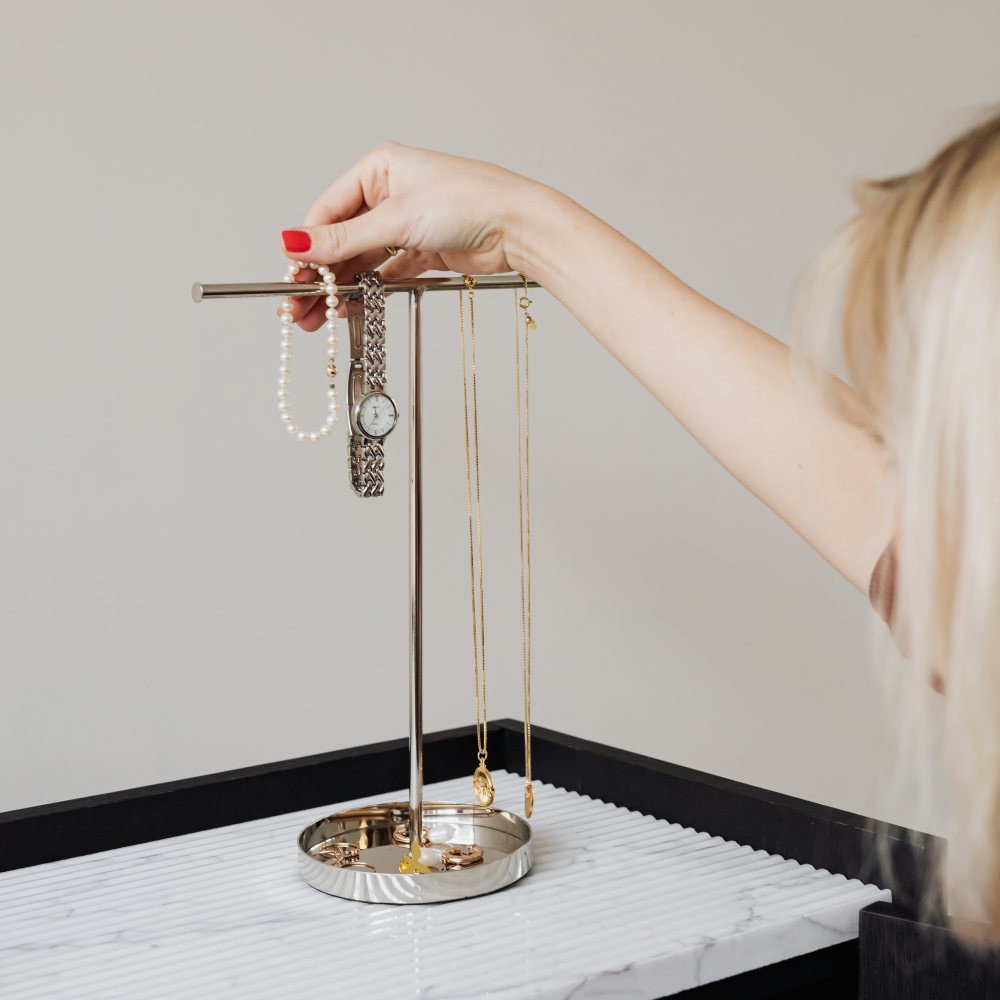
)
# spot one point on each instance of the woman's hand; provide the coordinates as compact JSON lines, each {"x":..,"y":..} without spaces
{"x":727,"y":382}
{"x":448,"y":213}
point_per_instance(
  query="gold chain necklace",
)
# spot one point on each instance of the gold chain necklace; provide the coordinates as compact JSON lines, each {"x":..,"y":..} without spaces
{"x":524,"y":510}
{"x":482,"y":780}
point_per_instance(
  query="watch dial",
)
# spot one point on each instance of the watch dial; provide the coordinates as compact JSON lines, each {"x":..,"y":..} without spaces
{"x":377,"y":414}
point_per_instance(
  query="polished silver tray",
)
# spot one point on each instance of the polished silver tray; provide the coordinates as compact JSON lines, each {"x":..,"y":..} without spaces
{"x":356,"y":854}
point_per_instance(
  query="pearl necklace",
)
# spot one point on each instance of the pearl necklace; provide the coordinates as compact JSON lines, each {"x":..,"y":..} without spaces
{"x":285,"y":368}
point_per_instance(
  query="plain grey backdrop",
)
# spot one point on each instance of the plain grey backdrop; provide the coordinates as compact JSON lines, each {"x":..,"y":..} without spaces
{"x":186,"y":589}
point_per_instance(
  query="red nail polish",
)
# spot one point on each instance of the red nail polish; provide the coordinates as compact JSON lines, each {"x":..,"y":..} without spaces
{"x":295,"y":240}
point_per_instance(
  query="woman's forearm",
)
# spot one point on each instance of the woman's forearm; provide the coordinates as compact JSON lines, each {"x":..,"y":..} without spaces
{"x":728,"y":383}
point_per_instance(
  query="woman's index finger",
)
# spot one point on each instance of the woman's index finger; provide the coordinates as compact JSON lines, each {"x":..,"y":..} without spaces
{"x":359,"y":190}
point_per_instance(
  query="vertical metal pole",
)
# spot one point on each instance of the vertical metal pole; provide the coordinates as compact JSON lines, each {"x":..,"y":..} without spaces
{"x":416,"y":580}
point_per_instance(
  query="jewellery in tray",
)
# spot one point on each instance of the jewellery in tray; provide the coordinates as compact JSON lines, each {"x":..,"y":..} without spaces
{"x":285,"y":369}
{"x":462,"y":857}
{"x":338,"y":854}
{"x":371,"y":412}
{"x":524,"y":508}
{"x":401,"y":836}
{"x":342,"y":856}
{"x":410,"y":864}
{"x":482,"y":780}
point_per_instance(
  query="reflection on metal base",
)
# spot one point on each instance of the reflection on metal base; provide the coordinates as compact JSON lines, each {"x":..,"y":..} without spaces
{"x":505,"y":841}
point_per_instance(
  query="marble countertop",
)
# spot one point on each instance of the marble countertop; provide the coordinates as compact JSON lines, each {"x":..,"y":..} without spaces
{"x":617,"y":905}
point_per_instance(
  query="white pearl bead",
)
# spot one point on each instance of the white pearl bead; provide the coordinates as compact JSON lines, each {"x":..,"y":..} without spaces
{"x":302,"y":435}
{"x":286,"y":305}
{"x":324,"y":270}
{"x":331,"y":326}
{"x":292,"y":429}
{"x":314,"y":436}
{"x":282,"y":382}
{"x":331,"y":300}
{"x":332,"y":419}
{"x":331,"y":286}
{"x":302,"y":263}
{"x":283,"y":406}
{"x":332,"y":393}
{"x":286,"y":356}
{"x":287,"y":277}
{"x":282,"y":394}
{"x":325,"y":430}
{"x":287,"y":417}
{"x":331,"y":314}
{"x":286,"y":344}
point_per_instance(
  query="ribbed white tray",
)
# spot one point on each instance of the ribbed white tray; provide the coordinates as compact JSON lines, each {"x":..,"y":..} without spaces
{"x":618,"y":904}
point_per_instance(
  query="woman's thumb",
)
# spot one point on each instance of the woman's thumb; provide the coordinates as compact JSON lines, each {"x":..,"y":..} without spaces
{"x":344,"y":240}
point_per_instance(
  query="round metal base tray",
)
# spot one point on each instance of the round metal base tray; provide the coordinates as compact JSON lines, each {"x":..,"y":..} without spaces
{"x":379,"y":833}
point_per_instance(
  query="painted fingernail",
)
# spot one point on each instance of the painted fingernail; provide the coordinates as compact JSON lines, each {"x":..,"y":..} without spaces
{"x":295,"y":240}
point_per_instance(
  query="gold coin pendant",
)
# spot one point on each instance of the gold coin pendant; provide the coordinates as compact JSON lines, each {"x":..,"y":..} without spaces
{"x":482,"y":782}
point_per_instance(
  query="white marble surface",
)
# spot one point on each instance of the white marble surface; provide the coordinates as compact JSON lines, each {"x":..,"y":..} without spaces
{"x":224,"y":914}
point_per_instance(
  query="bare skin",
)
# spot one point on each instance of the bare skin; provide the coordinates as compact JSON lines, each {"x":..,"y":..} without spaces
{"x":728,"y":383}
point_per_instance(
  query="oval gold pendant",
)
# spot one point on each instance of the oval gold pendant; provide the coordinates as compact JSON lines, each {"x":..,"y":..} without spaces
{"x":529,"y":799}
{"x":482,"y":782}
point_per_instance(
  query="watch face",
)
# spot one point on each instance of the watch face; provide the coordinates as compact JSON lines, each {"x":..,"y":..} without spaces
{"x":377,"y":414}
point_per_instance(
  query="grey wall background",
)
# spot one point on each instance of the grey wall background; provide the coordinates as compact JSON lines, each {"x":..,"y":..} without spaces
{"x":186,"y":590}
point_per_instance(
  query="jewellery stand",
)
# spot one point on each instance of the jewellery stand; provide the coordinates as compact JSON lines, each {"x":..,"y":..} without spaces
{"x":357,"y":854}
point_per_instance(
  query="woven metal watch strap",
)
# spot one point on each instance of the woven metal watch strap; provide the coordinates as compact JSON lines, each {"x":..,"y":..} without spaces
{"x":366,"y":459}
{"x":373,"y":359}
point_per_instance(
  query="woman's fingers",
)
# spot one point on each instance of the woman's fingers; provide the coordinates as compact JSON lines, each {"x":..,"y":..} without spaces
{"x":339,"y":242}
{"x":411,"y":264}
{"x":368,"y":261}
{"x":313,"y":313}
{"x":363,"y":187}
{"x":446,"y":213}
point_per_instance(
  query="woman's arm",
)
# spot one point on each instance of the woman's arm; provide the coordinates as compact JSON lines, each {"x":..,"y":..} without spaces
{"x":728,"y":383}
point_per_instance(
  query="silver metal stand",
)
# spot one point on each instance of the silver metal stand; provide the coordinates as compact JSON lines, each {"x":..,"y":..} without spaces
{"x":357,"y":854}
{"x":416,"y":572}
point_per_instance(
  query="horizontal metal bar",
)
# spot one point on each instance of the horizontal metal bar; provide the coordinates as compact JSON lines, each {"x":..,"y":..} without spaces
{"x":200,"y":292}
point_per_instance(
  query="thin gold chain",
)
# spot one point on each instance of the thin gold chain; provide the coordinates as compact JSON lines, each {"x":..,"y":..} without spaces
{"x":524,"y":511}
{"x":478,"y":632}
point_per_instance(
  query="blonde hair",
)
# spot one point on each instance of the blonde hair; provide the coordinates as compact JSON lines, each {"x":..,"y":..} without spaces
{"x":918,"y":274}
